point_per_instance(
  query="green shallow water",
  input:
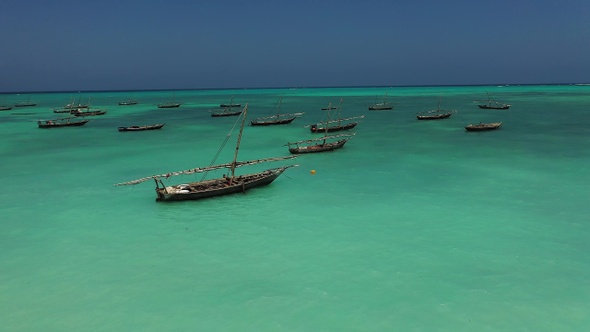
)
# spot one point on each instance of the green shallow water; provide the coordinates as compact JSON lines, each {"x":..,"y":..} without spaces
{"x":412,"y":226}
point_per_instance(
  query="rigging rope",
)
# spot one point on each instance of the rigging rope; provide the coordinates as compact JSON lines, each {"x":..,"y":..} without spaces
{"x":222,"y":145}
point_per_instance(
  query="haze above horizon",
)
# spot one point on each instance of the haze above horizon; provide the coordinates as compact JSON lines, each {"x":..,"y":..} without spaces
{"x":147,"y":45}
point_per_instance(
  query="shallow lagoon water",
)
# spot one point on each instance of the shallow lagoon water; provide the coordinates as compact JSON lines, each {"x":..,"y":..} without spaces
{"x":412,"y":226}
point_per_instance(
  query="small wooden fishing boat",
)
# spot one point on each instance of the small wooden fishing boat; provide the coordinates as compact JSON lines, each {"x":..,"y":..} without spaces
{"x":277,"y":119}
{"x":321,"y":127}
{"x":128,"y":102}
{"x":169,"y":105}
{"x":381,"y":106}
{"x":25,"y":104}
{"x":79,"y":112}
{"x":63,"y":122}
{"x":231,"y":104}
{"x":140,"y":128}
{"x":74,"y":106}
{"x":491,"y":104}
{"x":336,"y":122}
{"x":71,"y":107}
{"x":436,"y":114}
{"x":3,"y":107}
{"x":225,"y":112}
{"x":271,"y":120}
{"x":322,"y":144}
{"x":483,"y":126}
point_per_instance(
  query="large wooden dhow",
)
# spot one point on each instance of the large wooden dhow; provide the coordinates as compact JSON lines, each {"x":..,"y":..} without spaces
{"x":226,"y":185}
{"x":321,"y":144}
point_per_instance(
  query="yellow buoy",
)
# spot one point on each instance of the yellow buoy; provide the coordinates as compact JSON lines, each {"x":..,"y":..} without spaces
{"x":312,"y":172}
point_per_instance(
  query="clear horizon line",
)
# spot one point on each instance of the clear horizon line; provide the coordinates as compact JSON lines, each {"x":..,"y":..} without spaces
{"x":292,"y":87}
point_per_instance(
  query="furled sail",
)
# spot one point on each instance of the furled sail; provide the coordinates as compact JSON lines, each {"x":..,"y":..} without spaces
{"x":204,"y":169}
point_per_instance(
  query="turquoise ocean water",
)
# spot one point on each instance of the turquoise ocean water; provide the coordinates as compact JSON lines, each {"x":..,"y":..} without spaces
{"x":412,"y":226}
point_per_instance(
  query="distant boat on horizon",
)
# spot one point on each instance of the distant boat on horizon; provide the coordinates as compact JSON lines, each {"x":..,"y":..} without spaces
{"x":381,"y":106}
{"x":142,"y":128}
{"x":321,"y":144}
{"x":62,"y":122}
{"x":227,"y":111}
{"x":436,"y":114}
{"x":4,"y":107}
{"x":483,"y":126}
{"x":492,"y":104}
{"x":87,"y":112}
{"x":277,"y":119}
{"x":171,"y":104}
{"x":231,"y":104}
{"x":336,"y":122}
{"x":27,"y":103}
{"x":128,"y":102}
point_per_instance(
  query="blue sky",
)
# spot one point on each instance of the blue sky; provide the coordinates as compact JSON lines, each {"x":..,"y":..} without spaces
{"x":133,"y":45}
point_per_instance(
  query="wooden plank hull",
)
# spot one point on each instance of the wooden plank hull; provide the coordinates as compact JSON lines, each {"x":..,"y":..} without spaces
{"x":488,"y":107}
{"x":483,"y":126}
{"x":46,"y":124}
{"x":318,"y":147}
{"x":433,"y":116}
{"x":219,"y":114}
{"x":380,"y":107}
{"x":317,"y":129}
{"x":142,"y":128}
{"x":217,"y":187}
{"x":173,"y":105}
{"x":272,"y":122}
{"x":88,"y":113}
